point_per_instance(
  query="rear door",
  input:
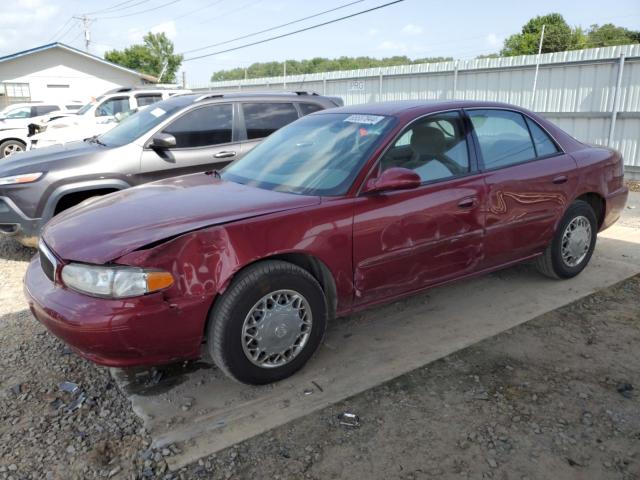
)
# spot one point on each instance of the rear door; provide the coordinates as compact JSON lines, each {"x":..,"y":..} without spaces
{"x":205,"y":139}
{"x":529,"y":182}
{"x":261,"y":119}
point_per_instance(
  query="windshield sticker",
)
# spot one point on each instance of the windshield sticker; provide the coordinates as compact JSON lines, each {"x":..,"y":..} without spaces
{"x":366,"y":119}
{"x":157,"y":112}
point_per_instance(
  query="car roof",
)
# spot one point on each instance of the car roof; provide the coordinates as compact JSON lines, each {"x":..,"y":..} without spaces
{"x":399,"y":107}
{"x":258,"y":95}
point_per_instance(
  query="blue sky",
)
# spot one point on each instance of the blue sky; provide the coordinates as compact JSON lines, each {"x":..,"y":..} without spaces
{"x":416,"y":28}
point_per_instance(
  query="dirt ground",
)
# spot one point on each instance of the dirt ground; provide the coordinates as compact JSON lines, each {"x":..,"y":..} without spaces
{"x":557,"y":397}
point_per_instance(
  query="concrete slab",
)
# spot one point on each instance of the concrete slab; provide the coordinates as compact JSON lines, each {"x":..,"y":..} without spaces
{"x":365,"y":350}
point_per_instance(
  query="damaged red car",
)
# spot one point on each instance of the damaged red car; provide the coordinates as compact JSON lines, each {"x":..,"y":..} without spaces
{"x":341,"y":210}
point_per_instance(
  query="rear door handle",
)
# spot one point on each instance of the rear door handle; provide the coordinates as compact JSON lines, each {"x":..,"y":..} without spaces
{"x":225,"y":154}
{"x":561,"y":179}
{"x":469,"y":202}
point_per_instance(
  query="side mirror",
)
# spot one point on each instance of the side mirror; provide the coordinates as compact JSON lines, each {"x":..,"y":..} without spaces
{"x":162,"y":141}
{"x":395,"y":178}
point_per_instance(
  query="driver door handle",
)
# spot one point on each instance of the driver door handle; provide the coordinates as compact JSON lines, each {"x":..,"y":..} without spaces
{"x":225,"y":154}
{"x":468,"y":202}
{"x":559,"y":180}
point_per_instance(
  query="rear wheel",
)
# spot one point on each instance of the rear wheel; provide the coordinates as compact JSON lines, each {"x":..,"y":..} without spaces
{"x":572,"y":245}
{"x":9,"y":147}
{"x":268,"y":323}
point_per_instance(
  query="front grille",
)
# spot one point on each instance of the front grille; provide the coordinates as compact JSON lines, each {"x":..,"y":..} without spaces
{"x":47,"y":262}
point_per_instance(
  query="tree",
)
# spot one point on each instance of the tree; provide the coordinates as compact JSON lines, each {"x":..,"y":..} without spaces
{"x":317,"y":64}
{"x":558,"y":37}
{"x":609,"y":34}
{"x":150,"y":57}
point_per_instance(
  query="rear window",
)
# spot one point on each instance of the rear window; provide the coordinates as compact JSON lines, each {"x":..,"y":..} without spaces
{"x":307,"y":108}
{"x":44,"y":109}
{"x":262,"y":119}
{"x":148,"y":99}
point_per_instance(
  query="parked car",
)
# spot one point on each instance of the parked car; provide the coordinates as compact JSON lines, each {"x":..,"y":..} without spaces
{"x":341,"y":210}
{"x":97,"y":116}
{"x":184,"y":134}
{"x":15,"y":118}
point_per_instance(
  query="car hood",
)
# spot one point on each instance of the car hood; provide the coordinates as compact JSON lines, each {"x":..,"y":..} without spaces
{"x":101,"y":230}
{"x":41,"y":159}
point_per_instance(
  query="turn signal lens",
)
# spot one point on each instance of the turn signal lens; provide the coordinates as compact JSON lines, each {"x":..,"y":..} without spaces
{"x":158,"y":281}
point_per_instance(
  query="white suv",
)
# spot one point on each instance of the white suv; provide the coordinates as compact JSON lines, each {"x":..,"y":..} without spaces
{"x":98,"y":116}
{"x":15,"y":118}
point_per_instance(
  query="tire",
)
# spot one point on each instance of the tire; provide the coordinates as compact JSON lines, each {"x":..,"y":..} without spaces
{"x":11,"y":146}
{"x":553,"y":263}
{"x":254,"y":291}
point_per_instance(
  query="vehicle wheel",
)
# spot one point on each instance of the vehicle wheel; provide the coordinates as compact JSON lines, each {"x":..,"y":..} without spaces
{"x":572,"y":245}
{"x":9,"y":147}
{"x":268,"y":323}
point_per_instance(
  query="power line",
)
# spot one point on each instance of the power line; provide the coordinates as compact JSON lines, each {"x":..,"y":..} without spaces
{"x":141,"y":11}
{"x":114,"y":8}
{"x":228,"y":12}
{"x":197,"y":10}
{"x":296,"y":31}
{"x":273,"y":28}
{"x":61,"y":29}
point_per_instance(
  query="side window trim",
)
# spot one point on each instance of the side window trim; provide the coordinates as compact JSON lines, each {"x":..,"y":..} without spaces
{"x":175,"y":119}
{"x":476,"y":142}
{"x":474,"y":161}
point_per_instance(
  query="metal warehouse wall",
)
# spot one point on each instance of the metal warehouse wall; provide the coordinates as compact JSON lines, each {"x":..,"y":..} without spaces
{"x":583,"y":91}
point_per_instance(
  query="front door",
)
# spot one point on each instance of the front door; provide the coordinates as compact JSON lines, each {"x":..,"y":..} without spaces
{"x":204,"y":140}
{"x":409,"y":239}
{"x":529,"y":182}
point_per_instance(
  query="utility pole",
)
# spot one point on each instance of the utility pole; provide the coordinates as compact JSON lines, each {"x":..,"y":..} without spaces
{"x":86,"y":24}
{"x":184,"y":79}
{"x":535,"y":77}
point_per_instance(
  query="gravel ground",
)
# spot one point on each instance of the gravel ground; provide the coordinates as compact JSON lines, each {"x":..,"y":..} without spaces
{"x":553,"y":398}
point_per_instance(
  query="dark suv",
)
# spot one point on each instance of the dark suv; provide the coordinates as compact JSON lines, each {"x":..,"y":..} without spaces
{"x":184,"y":134}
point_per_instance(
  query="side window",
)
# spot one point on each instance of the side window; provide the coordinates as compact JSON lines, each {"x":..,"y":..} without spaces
{"x":22,"y":112}
{"x":204,"y":126}
{"x":503,"y":136}
{"x":44,"y":109}
{"x":148,"y":99}
{"x":112,"y":106}
{"x":434,"y":147}
{"x":262,"y":119}
{"x":544,"y":145}
{"x":307,"y":108}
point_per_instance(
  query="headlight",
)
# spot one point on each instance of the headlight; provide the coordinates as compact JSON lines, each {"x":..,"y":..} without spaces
{"x":114,"y":282}
{"x":24,"y":178}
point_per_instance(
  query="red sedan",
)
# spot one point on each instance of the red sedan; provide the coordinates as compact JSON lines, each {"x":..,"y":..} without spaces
{"x":341,"y":210}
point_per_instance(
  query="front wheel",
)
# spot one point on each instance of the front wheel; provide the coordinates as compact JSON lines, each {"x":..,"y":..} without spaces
{"x":9,"y":147}
{"x":573,"y":243}
{"x":268,"y":323}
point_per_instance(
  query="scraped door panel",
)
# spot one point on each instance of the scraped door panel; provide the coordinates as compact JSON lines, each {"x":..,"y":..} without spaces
{"x":408,"y":240}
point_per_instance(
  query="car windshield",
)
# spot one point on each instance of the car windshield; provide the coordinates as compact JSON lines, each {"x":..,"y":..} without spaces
{"x":319,"y":154}
{"x":141,"y":122}
{"x":88,"y":106}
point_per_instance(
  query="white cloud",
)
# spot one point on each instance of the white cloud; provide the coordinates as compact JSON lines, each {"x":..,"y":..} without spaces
{"x":373,"y":32}
{"x":411,"y":29}
{"x":390,"y":46}
{"x":168,"y":28}
{"x":494,"y":41}
{"x":22,"y":25}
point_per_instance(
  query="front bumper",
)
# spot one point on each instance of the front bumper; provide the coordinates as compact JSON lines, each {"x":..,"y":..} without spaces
{"x":139,"y":331}
{"x":14,"y":223}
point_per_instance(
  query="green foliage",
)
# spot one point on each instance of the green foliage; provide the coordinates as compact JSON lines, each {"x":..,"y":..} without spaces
{"x":559,"y":36}
{"x":608,"y":34}
{"x":318,"y":64}
{"x":149,"y":57}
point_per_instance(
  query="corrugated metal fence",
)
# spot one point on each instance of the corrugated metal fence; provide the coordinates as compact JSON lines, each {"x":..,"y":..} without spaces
{"x":594,"y":94}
